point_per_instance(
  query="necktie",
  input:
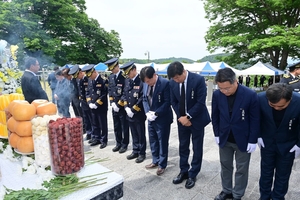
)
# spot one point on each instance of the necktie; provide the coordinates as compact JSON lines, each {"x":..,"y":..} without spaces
{"x":150,"y":96}
{"x":182,"y":101}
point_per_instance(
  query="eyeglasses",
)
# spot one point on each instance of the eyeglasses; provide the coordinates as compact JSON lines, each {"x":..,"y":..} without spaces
{"x":226,"y":89}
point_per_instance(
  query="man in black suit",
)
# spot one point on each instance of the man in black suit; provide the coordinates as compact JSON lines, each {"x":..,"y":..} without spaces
{"x":188,"y":96}
{"x":156,"y":101}
{"x":31,"y":86}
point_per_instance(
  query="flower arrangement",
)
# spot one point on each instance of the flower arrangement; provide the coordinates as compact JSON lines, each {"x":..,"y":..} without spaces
{"x":10,"y":75}
{"x":10,"y":80}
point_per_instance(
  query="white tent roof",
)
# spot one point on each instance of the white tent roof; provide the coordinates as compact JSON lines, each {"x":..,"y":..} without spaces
{"x":258,"y":69}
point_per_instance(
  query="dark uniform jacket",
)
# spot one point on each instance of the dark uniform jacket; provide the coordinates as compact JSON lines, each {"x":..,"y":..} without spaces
{"x":288,"y":133}
{"x":133,"y":98}
{"x":83,"y":87}
{"x":292,"y":81}
{"x":97,"y":94}
{"x":31,"y":87}
{"x":116,"y":87}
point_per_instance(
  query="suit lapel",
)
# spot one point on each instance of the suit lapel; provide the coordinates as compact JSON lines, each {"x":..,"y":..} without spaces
{"x":157,"y":85}
{"x":224,"y":104}
{"x":289,"y":110}
{"x":237,"y":102}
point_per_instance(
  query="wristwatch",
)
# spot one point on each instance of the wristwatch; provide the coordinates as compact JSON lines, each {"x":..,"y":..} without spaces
{"x":188,"y":117}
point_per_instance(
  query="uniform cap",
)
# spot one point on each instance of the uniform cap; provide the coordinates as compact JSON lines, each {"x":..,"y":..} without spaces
{"x":293,"y":66}
{"x":88,"y":69}
{"x":111,"y":63}
{"x":127,"y":67}
{"x":74,"y":71}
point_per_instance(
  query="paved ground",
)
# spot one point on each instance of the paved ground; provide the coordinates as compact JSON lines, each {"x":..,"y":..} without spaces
{"x":140,"y":183}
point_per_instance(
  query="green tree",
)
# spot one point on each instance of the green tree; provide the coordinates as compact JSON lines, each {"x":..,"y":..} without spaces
{"x":56,"y":31}
{"x":252,"y":30}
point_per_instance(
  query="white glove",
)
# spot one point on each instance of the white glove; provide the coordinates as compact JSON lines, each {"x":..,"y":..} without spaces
{"x":93,"y":106}
{"x":296,"y":149}
{"x":151,"y":116}
{"x":148,"y":115}
{"x":251,"y":148}
{"x":260,"y":142}
{"x":115,"y":107}
{"x":217,"y":139}
{"x":129,"y":112}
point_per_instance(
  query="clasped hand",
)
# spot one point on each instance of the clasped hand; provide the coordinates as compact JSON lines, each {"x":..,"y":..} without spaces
{"x":151,"y":116}
{"x":129,"y":112}
{"x":184,"y":121}
{"x":115,"y":107}
{"x":93,"y":106}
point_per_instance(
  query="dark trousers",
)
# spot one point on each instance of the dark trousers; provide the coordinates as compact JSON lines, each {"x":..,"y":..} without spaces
{"x":273,"y":162}
{"x":159,"y":142}
{"x":76,"y":107}
{"x":137,"y":129}
{"x":185,"y":134}
{"x":121,"y":129}
{"x":87,"y":121}
{"x":99,"y":125}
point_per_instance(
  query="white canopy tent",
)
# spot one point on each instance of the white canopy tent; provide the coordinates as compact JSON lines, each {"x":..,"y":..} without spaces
{"x":260,"y":69}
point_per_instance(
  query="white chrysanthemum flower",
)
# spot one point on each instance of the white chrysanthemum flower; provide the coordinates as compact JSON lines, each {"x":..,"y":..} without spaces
{"x":29,"y":159}
{"x":31,"y":169}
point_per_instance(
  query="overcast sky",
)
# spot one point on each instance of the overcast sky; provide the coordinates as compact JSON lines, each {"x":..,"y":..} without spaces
{"x":165,"y":28}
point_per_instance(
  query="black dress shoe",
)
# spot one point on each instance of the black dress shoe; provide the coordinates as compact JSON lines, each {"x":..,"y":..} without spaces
{"x":91,"y":140}
{"x":132,"y":156}
{"x":223,"y":196}
{"x":180,"y":178}
{"x":103,"y":145}
{"x":190,"y":182}
{"x":122,"y":150}
{"x":116,"y":148}
{"x":88,"y":137}
{"x":140,"y":159}
{"x":95,"y":142}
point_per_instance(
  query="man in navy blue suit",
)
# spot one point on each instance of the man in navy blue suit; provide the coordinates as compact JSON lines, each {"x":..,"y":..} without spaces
{"x":188,"y":96}
{"x":279,"y":139}
{"x":235,"y":120}
{"x":156,"y":102}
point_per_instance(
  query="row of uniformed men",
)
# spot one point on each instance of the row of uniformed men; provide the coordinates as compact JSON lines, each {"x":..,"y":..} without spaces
{"x":125,"y":96}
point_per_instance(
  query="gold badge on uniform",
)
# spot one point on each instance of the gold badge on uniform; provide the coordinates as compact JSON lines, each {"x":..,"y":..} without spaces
{"x":135,"y":94}
{"x":98,"y":85}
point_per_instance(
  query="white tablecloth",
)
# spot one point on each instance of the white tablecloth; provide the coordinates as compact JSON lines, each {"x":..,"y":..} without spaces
{"x":15,"y":181}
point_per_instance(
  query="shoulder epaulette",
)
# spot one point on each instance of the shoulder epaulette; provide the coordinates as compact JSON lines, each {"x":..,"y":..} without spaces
{"x":286,"y":76}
